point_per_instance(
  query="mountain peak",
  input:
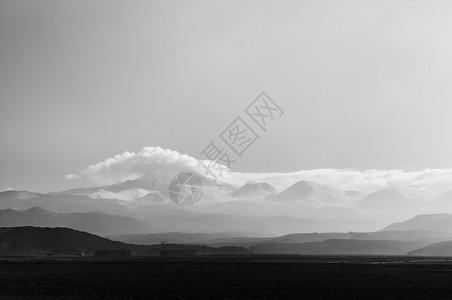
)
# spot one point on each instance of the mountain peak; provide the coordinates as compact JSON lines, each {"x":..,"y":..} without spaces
{"x":384,"y":200}
{"x":254,"y":190}
{"x":311,"y":193}
{"x":443,"y":199}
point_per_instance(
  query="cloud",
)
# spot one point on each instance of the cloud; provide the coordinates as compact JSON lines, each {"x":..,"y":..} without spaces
{"x":7,"y":189}
{"x":71,"y":176}
{"x":155,"y":160}
{"x":130,"y":165}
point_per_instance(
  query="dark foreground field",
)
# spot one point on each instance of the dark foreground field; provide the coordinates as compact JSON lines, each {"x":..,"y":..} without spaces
{"x":227,"y":278}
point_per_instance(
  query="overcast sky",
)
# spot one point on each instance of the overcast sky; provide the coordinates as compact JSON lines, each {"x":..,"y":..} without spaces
{"x":364,"y":84}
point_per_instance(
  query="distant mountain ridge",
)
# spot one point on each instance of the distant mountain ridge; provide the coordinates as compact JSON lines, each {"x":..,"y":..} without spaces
{"x":311,"y":193}
{"x":443,"y":202}
{"x":383,"y":200}
{"x":18,"y":195}
{"x":92,"y":222}
{"x":431,"y":222}
{"x":424,"y":237}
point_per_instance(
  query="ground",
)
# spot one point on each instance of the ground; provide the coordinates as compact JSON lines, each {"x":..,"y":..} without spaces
{"x":227,"y":278}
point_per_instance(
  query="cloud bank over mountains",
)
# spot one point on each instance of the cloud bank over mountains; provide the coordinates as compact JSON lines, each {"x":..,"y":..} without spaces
{"x":131,"y":165}
{"x":159,"y":161}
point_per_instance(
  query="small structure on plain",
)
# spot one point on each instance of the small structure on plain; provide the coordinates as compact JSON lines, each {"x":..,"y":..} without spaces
{"x":112,"y":253}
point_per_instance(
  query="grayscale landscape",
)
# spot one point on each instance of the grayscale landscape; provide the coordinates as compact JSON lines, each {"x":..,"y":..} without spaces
{"x":225,"y":150}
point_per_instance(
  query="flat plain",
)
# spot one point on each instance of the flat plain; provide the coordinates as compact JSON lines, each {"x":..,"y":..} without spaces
{"x":253,"y":277}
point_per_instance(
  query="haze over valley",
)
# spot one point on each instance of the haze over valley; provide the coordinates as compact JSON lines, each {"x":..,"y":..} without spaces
{"x":304,"y":217}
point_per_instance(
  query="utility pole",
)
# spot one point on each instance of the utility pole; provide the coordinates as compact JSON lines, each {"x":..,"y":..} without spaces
{"x":163,"y":249}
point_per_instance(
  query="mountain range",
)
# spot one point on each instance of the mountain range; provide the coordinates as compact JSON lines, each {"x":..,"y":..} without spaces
{"x":255,"y":207}
{"x":421,"y":235}
{"x":311,"y":193}
{"x":240,"y":239}
{"x":93,"y":222}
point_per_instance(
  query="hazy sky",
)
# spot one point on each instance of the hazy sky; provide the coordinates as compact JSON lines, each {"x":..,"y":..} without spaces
{"x":364,"y":84}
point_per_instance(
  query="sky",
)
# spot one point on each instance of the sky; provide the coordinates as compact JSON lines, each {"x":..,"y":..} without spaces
{"x":364,"y":85}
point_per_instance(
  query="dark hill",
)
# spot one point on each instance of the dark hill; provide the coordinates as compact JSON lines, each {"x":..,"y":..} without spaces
{"x":436,"y":249}
{"x":37,"y":241}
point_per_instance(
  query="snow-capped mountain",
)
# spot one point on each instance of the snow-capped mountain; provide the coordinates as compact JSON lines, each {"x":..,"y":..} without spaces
{"x":254,"y":191}
{"x":150,"y":182}
{"x":126,"y":195}
{"x":152,"y":189}
{"x":311,"y":193}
